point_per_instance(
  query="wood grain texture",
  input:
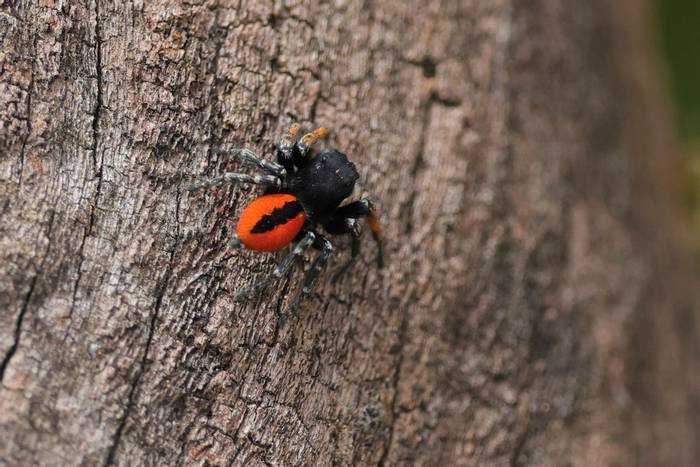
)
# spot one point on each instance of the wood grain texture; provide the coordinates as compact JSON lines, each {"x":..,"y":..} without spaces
{"x":531,"y":312}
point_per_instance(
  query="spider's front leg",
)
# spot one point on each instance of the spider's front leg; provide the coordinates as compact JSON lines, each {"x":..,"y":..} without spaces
{"x":232,"y":177}
{"x":247,"y":155}
{"x":276,"y":172}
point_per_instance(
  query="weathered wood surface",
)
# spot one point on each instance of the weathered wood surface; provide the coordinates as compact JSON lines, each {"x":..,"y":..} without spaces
{"x":532,"y":311}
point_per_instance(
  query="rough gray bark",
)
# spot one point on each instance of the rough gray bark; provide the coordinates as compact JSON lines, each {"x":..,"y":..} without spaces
{"x":535,"y":308}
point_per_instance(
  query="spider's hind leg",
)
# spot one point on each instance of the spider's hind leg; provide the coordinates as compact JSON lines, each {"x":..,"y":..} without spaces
{"x":326,"y":247}
{"x":299,"y":249}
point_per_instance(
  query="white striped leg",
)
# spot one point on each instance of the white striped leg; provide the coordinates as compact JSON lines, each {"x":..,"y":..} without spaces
{"x":235,"y":242}
{"x":231,"y":177}
{"x":316,"y":268}
{"x":282,"y":268}
{"x":249,"y":156}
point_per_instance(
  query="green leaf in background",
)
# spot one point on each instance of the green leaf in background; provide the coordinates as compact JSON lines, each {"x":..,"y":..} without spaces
{"x":679,"y":22}
{"x":680,"y":32}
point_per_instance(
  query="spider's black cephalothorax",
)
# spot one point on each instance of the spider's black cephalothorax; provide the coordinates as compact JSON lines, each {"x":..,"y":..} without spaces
{"x":322,"y":184}
{"x":305,"y":193}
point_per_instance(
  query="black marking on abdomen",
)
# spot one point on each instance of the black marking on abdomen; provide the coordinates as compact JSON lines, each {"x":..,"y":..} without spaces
{"x":278,"y":216}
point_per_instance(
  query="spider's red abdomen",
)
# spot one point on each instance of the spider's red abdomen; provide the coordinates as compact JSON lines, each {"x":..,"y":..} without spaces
{"x":270,"y":222}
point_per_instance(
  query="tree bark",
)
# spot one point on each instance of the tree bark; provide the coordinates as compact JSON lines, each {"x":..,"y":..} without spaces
{"x":536,"y":307}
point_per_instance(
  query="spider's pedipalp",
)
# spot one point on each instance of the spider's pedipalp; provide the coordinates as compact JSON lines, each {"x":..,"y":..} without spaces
{"x":293,"y":131}
{"x":308,"y":140}
{"x":287,"y":148}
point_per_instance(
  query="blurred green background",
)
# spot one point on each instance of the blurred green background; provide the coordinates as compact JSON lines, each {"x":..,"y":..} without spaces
{"x":679,"y":22}
{"x":680,"y":33}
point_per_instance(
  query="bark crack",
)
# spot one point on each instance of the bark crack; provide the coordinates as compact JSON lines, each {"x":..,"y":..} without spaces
{"x":18,"y":329}
{"x":395,"y":383}
{"x":407,"y":208}
{"x":96,"y":114}
{"x":25,"y":305}
{"x":520,"y":444}
{"x":29,"y":116}
{"x":131,"y":398}
{"x":98,"y":101}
